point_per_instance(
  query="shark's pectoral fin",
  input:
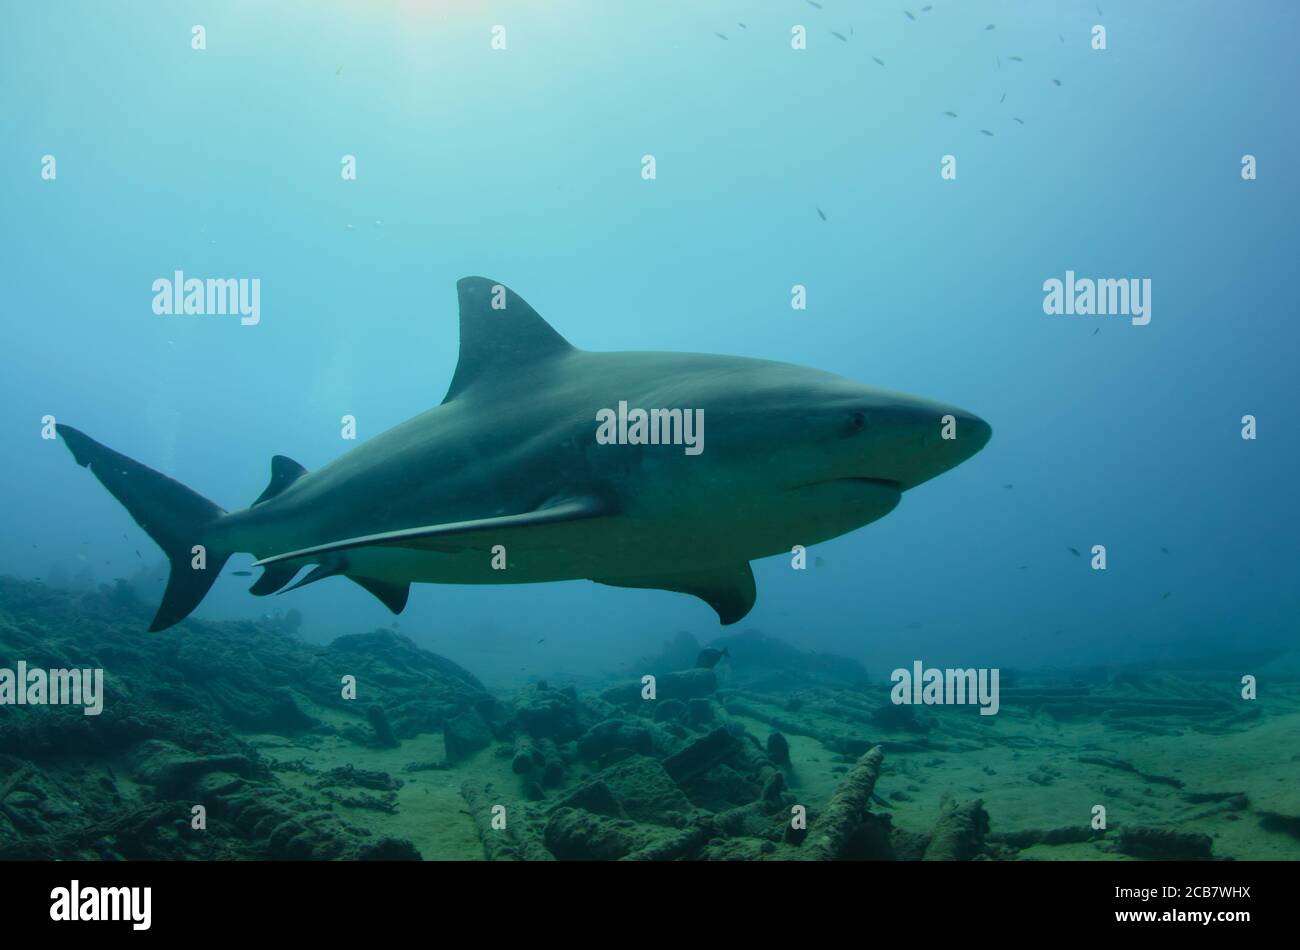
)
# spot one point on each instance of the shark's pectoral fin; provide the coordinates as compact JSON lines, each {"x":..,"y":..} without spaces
{"x":392,"y":596}
{"x":456,"y":535}
{"x":728,"y":590}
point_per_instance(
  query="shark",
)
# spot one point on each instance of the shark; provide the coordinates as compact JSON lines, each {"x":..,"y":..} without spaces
{"x":509,"y":481}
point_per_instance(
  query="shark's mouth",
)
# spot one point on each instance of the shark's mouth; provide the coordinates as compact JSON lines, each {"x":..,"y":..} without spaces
{"x":853,"y":480}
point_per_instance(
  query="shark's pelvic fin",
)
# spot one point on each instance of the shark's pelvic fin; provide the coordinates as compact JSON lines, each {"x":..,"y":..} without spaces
{"x":178,"y":519}
{"x":465,"y":533}
{"x":392,"y":596}
{"x":319,"y":573}
{"x":729,"y":590}
{"x":284,"y":472}
{"x":499,"y":334}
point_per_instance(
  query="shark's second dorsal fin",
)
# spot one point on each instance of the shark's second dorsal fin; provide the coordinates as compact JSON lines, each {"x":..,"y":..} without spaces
{"x":499,"y":333}
{"x":284,"y":472}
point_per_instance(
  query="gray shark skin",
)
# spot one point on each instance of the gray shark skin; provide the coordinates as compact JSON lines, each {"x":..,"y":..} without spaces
{"x":510,"y":458}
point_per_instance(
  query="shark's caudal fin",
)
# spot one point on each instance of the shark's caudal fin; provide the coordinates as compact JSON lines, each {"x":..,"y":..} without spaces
{"x":175,"y":517}
{"x":499,"y":334}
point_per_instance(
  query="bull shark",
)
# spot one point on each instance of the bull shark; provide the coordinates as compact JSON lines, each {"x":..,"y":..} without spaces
{"x":506,"y":481}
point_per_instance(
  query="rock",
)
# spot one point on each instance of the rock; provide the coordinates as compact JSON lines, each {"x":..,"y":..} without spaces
{"x":699,"y":712}
{"x":1163,"y":844}
{"x":464,"y":735}
{"x":778,"y":749}
{"x":612,"y":734}
{"x":670,"y":710}
{"x":959,"y":833}
{"x":546,"y":713}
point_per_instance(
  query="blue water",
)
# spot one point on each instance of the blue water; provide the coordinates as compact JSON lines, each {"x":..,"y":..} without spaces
{"x":524,"y":165}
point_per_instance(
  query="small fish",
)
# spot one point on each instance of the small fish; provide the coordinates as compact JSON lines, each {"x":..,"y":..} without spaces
{"x":137,"y":554}
{"x":742,"y":26}
{"x":1099,"y":13}
{"x":878,"y":60}
{"x":991,"y":26}
{"x":814,"y":3}
{"x":242,"y":573}
{"x":1057,"y":81}
{"x":951,"y":115}
{"x":926,"y":9}
{"x":822,"y":213}
{"x":719,"y":36}
{"x":1016,"y":59}
{"x":1008,"y":485}
{"x":1003,"y":99}
{"x":1096,"y":331}
{"x":1164,"y":549}
{"x":1075,"y":552}
{"x":1060,"y":37}
{"x":908,"y":14}
{"x":986,"y":132}
{"x":1023,"y":567}
{"x":913,"y":626}
{"x":1165,"y":595}
{"x":1021,"y":121}
{"x":840,"y":36}
{"x":543,"y":640}
{"x":709,"y":658}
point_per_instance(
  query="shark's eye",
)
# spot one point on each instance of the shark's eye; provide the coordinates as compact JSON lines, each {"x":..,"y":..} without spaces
{"x":857,"y":421}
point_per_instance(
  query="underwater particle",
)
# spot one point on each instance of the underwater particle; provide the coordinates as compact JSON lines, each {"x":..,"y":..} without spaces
{"x":822,"y":213}
{"x":710,"y":657}
{"x":814,"y":3}
{"x":1016,"y":59}
{"x":1060,"y":37}
{"x":1008,"y":485}
{"x":1165,"y":595}
{"x":991,"y":26}
{"x":1057,"y":81}
{"x":742,"y":26}
{"x":999,"y":61}
{"x":1023,"y":567}
{"x":840,"y":36}
{"x":242,"y":573}
{"x":1162,"y":547}
{"x":819,"y":562}
{"x":926,"y":9}
{"x":139,"y":555}
{"x":908,"y":14}
{"x":951,"y":115}
{"x":1099,"y":13}
{"x":543,"y":640}
{"x":1003,"y":99}
{"x":347,"y":227}
{"x":379,"y":224}
{"x":878,"y":60}
{"x":913,"y":626}
{"x":1021,"y":121}
{"x":1096,"y":331}
{"x":719,"y":36}
{"x":986,"y":132}
{"x":339,"y":70}
{"x":1075,"y":552}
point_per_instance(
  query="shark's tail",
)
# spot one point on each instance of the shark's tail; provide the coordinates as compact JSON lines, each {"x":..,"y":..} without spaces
{"x":175,"y":517}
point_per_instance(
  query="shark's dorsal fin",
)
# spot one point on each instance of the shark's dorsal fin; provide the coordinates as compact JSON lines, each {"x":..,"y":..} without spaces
{"x":499,"y":333}
{"x":284,"y":472}
{"x":728,"y":590}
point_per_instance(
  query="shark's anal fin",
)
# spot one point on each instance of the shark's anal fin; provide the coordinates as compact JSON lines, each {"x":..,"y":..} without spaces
{"x":729,"y":590}
{"x":392,"y":596}
{"x":284,"y":472}
{"x":273,"y":578}
{"x":453,"y":535}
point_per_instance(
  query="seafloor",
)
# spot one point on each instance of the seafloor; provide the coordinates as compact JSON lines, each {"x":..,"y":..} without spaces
{"x":249,"y":722}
